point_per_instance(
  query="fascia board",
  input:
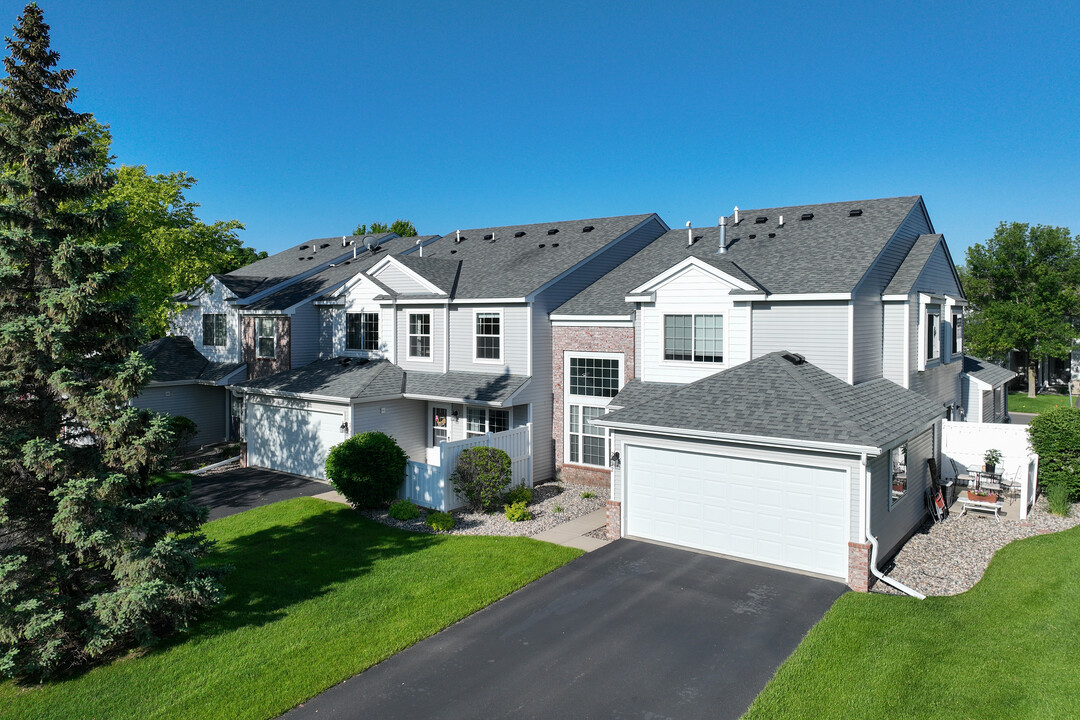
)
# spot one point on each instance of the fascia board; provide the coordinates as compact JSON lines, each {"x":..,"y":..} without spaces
{"x":640,"y":297}
{"x":443,"y":300}
{"x":742,"y":439}
{"x":894,"y":298}
{"x":513,"y":396}
{"x":591,"y":320}
{"x":451,"y":399}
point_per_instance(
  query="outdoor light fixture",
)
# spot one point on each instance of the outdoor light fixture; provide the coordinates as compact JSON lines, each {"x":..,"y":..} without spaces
{"x":615,"y":461}
{"x":344,"y":426}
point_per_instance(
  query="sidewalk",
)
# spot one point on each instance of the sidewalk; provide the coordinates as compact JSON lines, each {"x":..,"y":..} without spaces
{"x":573,"y":533}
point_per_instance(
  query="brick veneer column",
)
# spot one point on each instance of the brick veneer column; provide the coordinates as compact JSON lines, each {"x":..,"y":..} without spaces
{"x":859,"y":576}
{"x":614,"y":519}
{"x":584,"y":339}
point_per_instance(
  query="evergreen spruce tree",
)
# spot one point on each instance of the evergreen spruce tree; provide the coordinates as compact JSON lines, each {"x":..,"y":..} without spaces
{"x":93,"y":559}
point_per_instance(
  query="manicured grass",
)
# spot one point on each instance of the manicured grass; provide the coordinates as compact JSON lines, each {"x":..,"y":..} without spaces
{"x":1020,"y":402}
{"x":317,"y":595}
{"x":1008,"y":648}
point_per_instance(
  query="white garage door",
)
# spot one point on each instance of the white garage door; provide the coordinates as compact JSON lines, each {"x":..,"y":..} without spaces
{"x":291,"y":439}
{"x":788,"y":515}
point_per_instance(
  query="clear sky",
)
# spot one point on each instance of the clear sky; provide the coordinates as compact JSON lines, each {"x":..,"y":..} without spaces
{"x":303,"y":119}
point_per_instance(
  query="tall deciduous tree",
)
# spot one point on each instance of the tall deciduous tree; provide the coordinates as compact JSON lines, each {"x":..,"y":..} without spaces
{"x":404,"y":228}
{"x":92,"y":559}
{"x":1024,"y":288}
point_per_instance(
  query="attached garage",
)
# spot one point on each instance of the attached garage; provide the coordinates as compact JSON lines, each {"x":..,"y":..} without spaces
{"x":294,"y":437}
{"x":778,"y":513}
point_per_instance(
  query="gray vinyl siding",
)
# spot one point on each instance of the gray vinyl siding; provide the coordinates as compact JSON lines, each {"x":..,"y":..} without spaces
{"x":817,"y":330}
{"x":987,"y":406}
{"x":438,"y":339}
{"x":304,"y":334}
{"x":892,"y":361}
{"x":937,"y":276}
{"x":202,"y":404}
{"x":891,"y":526}
{"x":515,"y":339}
{"x":327,"y":320}
{"x":521,"y":415}
{"x":400,"y":281}
{"x":940,"y":381}
{"x":973,"y":405}
{"x":869,"y":324}
{"x":189,"y":324}
{"x":404,"y":420}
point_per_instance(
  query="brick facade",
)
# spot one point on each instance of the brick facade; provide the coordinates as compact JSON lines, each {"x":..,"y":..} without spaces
{"x":859,"y":577}
{"x":584,"y":339}
{"x":614,"y":519}
{"x":261,"y":367}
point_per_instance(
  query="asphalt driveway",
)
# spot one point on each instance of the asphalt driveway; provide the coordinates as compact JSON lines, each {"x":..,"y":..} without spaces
{"x":235,"y":491}
{"x":632,"y":630}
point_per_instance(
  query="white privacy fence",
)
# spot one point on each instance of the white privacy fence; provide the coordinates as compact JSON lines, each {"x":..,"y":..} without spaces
{"x":963,"y":446}
{"x":429,"y":484}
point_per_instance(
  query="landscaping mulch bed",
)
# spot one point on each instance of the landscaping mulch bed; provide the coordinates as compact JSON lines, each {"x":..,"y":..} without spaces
{"x":949,"y":557}
{"x":546,"y":498}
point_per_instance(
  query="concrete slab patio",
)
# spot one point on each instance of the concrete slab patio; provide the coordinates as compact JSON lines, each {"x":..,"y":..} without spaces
{"x":631,"y":630}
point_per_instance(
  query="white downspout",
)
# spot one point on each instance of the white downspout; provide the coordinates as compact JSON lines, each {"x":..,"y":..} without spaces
{"x":873,"y":540}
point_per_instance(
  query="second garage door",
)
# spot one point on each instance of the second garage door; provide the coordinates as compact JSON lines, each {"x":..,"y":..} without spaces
{"x":773,"y":512}
{"x":292,"y":439}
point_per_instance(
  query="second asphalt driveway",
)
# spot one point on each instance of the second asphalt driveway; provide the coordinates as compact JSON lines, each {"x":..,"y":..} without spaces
{"x":632,"y":630}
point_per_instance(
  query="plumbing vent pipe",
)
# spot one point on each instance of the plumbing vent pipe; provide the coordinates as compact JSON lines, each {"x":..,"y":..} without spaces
{"x":420,"y":243}
{"x":781,"y":221}
{"x":723,"y":234}
{"x":457,"y":239}
{"x":689,"y":234}
{"x":736,"y":214}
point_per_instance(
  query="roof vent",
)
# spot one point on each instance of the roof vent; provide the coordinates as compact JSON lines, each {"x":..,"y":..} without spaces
{"x":753,"y":236}
{"x":542,"y":245}
{"x":519,"y":233}
{"x":806,"y":216}
{"x":324,"y":245}
{"x":489,"y":236}
{"x":554,"y":244}
{"x":452,"y":252}
{"x":300,"y":258}
{"x":346,"y":262}
{"x":310,"y":257}
{"x":855,"y":213}
{"x":552,"y":231}
{"x":303,"y":247}
{"x":760,"y":219}
{"x":772,"y":235}
{"x":794,"y":358}
{"x":587,"y":228}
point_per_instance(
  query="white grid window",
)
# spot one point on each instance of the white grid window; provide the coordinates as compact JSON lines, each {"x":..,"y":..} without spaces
{"x":933,"y":334}
{"x":265,"y":337}
{"x":594,"y":377}
{"x":420,"y":335}
{"x":361,"y":331}
{"x":213,"y":329}
{"x":480,"y":420}
{"x":488,"y":336}
{"x":957,"y":333}
{"x":694,"y":338}
{"x":588,"y":443}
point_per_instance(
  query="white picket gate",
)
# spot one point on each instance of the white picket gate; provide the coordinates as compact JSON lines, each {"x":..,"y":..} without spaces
{"x":429,"y":484}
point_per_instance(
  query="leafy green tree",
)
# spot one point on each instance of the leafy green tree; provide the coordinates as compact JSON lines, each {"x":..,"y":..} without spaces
{"x":1024,"y":289}
{"x":92,"y":559}
{"x":404,"y":228}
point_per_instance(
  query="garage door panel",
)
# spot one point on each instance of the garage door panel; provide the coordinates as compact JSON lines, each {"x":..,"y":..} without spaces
{"x":779,"y":513}
{"x":291,"y":439}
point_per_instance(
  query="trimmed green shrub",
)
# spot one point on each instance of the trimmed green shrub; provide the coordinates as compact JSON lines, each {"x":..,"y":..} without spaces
{"x":557,"y":508}
{"x":368,"y":469}
{"x":183,"y":431}
{"x":519,"y":493}
{"x":1055,"y":436}
{"x":440,"y":521}
{"x":1057,"y":500}
{"x":588,"y":494}
{"x":482,"y":476}
{"x":517,"y":512}
{"x":404,"y":510}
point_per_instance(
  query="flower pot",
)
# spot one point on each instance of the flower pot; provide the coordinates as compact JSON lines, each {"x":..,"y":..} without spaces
{"x":989,"y":468}
{"x":988,"y":498}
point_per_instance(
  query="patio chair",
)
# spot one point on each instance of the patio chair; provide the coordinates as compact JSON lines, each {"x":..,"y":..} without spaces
{"x":1011,"y":486}
{"x":961,"y":473}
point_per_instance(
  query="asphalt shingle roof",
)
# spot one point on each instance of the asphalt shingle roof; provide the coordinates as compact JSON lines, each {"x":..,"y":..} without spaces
{"x":479,"y":387}
{"x":335,"y":378}
{"x":827,"y":254}
{"x":986,"y":371}
{"x":635,"y":392}
{"x":509,"y":266}
{"x":773,"y":397}
{"x":441,"y":272}
{"x":908,"y":272}
{"x":176,"y":359}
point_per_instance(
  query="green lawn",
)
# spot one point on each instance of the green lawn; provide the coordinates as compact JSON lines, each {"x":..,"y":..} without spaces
{"x":1008,"y":648}
{"x":1021,"y":403}
{"x":164,"y":478}
{"x":318,"y":594}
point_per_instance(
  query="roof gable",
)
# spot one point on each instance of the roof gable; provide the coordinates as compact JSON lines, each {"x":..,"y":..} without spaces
{"x":687,"y":266}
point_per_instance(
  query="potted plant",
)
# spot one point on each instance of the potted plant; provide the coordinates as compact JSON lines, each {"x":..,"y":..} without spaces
{"x":982,"y":496}
{"x":991,"y":459}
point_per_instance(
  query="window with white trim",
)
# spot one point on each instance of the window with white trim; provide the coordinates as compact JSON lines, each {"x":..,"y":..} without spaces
{"x":588,"y":443}
{"x":480,"y":420}
{"x":591,"y":381}
{"x":420,"y":335}
{"x":362,"y":331}
{"x":898,"y":474}
{"x":265,"y":337}
{"x":933,"y":332}
{"x":957,"y":333}
{"x":694,"y":338}
{"x":213,"y":329}
{"x":488,"y":335}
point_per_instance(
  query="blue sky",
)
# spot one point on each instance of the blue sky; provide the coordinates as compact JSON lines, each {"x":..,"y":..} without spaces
{"x":303,"y":120}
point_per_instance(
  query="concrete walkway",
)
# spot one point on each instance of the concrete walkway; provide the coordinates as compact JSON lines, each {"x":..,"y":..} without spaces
{"x":573,"y":533}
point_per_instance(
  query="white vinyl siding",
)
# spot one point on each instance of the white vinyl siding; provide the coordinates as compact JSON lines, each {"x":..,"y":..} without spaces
{"x":514,"y":353}
{"x":189,"y":324}
{"x":400,"y":281}
{"x":436,"y":361}
{"x":817,"y":330}
{"x":892,"y":361}
{"x":304,"y":336}
{"x":404,"y":420}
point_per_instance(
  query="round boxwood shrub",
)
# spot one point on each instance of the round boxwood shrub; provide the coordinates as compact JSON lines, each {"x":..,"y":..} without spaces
{"x":440,"y":521}
{"x":482,"y":476}
{"x":368,"y":469}
{"x":404,"y":510}
{"x":519,"y":493}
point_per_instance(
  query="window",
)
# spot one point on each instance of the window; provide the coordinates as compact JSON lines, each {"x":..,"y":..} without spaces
{"x":594,"y":377}
{"x":484,"y":420}
{"x":694,"y":338}
{"x":419,"y":335}
{"x":265,"y":337}
{"x":213,"y":329}
{"x":588,"y":443}
{"x":898,"y":479}
{"x":933,"y":333}
{"x":439,"y":428}
{"x":957,"y":333}
{"x":488,"y":337}
{"x":362,"y":331}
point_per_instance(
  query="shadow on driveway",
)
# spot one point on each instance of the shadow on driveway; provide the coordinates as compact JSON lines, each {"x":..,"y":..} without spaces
{"x":235,"y":491}
{"x":632,"y":630}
